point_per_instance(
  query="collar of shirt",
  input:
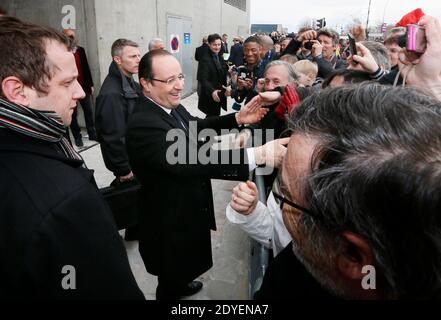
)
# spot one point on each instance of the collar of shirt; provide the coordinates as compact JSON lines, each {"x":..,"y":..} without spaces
{"x":163,"y":108}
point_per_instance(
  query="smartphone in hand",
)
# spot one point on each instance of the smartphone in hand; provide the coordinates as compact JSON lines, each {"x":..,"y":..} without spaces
{"x":352,"y":46}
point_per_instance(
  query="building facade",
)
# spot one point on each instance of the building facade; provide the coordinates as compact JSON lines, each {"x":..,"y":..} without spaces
{"x":180,"y":23}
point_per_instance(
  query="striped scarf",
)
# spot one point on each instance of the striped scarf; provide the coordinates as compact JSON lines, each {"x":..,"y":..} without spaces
{"x":41,"y":125}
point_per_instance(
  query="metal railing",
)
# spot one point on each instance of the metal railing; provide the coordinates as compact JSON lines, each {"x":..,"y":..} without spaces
{"x":259,"y":255}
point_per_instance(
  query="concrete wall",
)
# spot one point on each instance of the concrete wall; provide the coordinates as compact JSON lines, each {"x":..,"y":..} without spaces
{"x":142,"y":20}
{"x":100,"y":22}
{"x":235,"y":22}
{"x":49,"y":12}
{"x":134,"y":20}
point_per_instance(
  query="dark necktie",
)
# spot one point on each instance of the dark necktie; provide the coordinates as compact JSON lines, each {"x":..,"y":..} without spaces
{"x":178,"y":118}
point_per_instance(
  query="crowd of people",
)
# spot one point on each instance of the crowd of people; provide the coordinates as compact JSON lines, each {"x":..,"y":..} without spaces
{"x":354,"y":139}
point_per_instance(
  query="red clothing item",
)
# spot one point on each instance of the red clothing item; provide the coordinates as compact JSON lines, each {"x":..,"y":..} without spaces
{"x":412,"y":17}
{"x":80,"y":68}
{"x":289,"y":101}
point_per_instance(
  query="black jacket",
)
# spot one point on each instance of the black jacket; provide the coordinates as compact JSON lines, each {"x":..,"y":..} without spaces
{"x":176,"y":204}
{"x":236,"y":55}
{"x":211,"y":78}
{"x":255,"y":74}
{"x":114,"y":104}
{"x":52,"y":215}
{"x":201,"y":52}
{"x":325,"y":67}
{"x":287,"y":279}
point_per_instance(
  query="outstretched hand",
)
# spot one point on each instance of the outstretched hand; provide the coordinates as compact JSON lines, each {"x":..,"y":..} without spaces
{"x":251,"y":113}
{"x":272,"y":153}
{"x":264,"y":99}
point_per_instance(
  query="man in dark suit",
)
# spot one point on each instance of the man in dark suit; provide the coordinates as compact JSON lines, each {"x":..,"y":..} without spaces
{"x":177,"y":211}
{"x":236,"y":55}
{"x":86,"y":82}
{"x":58,"y":238}
{"x":224,"y":45}
{"x":213,"y":79}
{"x":200,"y":53}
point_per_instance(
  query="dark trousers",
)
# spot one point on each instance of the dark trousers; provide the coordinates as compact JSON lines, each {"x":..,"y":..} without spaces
{"x":213,"y":111}
{"x":86,"y":104}
{"x":167,"y":289}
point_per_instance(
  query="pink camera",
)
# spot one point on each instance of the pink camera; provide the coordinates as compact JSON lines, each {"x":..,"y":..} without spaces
{"x":415,"y":38}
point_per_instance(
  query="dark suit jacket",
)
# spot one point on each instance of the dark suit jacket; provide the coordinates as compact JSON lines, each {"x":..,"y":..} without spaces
{"x":224,"y":48}
{"x":210,"y":79}
{"x":236,"y":55}
{"x":52,"y":215}
{"x":176,"y":198}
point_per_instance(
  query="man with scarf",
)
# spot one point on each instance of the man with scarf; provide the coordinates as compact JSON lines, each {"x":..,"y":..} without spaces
{"x":58,"y":238}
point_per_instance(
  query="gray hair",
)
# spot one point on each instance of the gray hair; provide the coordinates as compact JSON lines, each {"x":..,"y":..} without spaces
{"x":331,"y":33}
{"x":119,"y":45}
{"x":154,"y":42}
{"x":379,"y":52}
{"x":376,"y":172}
{"x":292,"y":74}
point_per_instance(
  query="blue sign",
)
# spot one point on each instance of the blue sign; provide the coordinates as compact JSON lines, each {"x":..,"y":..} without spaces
{"x":187,"y":38}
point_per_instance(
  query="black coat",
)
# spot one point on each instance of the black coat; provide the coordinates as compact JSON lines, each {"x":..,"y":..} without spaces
{"x":211,"y":78}
{"x":236,"y":55}
{"x":325,"y":67}
{"x":201,"y":52}
{"x":287,"y":279}
{"x":114,"y":104}
{"x":177,"y":203}
{"x":52,"y":215}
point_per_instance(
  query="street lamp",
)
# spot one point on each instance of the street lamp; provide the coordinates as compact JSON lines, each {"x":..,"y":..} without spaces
{"x":367,"y":21}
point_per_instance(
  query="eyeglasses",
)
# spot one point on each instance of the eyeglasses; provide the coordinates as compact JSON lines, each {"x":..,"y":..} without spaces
{"x":171,"y":81}
{"x":280,"y":199}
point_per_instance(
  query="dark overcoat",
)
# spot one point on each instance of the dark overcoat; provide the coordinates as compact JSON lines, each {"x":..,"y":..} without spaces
{"x":177,"y":202}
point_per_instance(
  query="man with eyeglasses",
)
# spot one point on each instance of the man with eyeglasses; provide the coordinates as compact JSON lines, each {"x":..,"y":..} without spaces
{"x":264,"y":223}
{"x":177,"y":210}
{"x":114,"y":104}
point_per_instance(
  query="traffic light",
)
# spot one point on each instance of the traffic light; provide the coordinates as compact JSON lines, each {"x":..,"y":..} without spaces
{"x":320,"y":23}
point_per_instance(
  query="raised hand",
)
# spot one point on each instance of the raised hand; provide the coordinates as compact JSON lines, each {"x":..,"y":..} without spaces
{"x":272,"y":153}
{"x":366,"y":61}
{"x":251,"y":113}
{"x":244,"y":198}
{"x":426,"y":71}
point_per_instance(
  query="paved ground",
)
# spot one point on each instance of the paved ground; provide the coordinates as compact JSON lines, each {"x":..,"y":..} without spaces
{"x":228,"y":279}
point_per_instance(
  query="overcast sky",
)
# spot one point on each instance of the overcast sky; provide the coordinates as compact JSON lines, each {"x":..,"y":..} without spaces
{"x":338,"y":13}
